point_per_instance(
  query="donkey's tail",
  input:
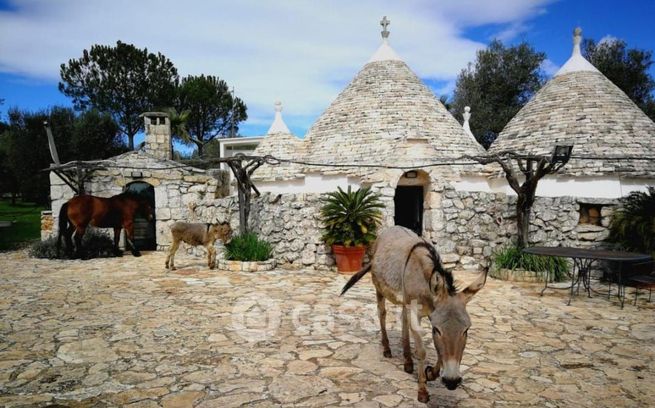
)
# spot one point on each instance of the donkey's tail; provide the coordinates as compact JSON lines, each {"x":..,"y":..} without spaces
{"x":355,"y":278}
{"x":63,"y":224}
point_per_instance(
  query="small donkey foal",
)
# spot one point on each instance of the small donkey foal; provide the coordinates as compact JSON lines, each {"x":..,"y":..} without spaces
{"x":198,"y":234}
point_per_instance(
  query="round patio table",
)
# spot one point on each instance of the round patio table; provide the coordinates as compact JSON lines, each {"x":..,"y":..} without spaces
{"x":583,"y":259}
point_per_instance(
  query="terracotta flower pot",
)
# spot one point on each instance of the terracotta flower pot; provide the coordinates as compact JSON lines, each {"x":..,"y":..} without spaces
{"x":349,"y":259}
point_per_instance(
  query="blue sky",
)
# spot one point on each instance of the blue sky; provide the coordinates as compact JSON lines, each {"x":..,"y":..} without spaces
{"x":301,"y":52}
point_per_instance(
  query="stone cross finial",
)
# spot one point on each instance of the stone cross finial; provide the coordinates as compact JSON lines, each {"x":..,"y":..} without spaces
{"x":385,"y":23}
{"x":278,"y":106}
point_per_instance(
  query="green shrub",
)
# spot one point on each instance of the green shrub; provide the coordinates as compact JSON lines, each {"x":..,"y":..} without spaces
{"x":512,"y":257}
{"x":633,"y":223}
{"x":95,"y":243}
{"x":248,"y":247}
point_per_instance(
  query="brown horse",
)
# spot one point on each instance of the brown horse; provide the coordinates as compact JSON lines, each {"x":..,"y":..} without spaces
{"x":115,"y":212}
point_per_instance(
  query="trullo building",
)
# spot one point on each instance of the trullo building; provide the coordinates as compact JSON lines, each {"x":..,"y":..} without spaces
{"x":387,"y":117}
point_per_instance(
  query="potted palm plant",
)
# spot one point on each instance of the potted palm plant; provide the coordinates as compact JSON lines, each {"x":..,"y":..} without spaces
{"x":350,"y":219}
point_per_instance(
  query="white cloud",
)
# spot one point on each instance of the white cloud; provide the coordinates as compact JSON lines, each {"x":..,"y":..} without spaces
{"x":301,"y":52}
{"x":608,"y":39}
{"x":511,"y":31}
{"x":549,"y":67}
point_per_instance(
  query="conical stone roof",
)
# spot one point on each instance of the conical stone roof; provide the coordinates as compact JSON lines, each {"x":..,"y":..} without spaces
{"x":373,"y":117}
{"x":580,"y":106}
{"x":281,"y":144}
{"x":384,"y":105}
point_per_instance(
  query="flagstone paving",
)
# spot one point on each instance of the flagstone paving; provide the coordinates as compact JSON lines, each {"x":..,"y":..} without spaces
{"x":125,"y":332}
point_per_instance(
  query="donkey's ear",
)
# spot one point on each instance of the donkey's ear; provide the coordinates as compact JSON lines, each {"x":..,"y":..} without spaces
{"x":475,"y":286}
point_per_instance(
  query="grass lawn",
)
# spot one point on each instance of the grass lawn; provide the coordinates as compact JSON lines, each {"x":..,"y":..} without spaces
{"x":27,"y":226}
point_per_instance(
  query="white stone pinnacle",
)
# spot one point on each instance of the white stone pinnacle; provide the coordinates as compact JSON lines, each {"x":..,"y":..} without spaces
{"x":467,"y":127}
{"x":577,"y":62}
{"x":385,"y":52}
{"x":278,"y":125}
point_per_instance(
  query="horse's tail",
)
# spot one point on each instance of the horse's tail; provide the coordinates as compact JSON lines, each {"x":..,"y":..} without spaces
{"x":63,"y":224}
{"x":355,"y":278}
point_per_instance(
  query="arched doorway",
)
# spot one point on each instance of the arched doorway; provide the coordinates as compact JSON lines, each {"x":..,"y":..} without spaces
{"x":145,"y":236}
{"x":409,"y":200}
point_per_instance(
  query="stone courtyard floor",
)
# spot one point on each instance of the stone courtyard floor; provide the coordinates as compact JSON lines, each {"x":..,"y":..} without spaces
{"x":125,"y":332}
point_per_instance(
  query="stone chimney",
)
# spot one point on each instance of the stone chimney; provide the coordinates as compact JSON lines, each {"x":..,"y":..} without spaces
{"x":157,"y":126}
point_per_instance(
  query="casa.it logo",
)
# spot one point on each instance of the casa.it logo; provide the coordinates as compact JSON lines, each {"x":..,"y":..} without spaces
{"x":256,"y":317}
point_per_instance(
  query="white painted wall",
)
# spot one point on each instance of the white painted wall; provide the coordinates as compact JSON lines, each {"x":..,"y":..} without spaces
{"x":557,"y":186}
{"x":312,"y":183}
{"x":232,"y":146}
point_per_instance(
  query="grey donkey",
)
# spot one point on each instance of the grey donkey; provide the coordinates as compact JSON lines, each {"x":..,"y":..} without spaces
{"x":198,"y":234}
{"x":406,"y":270}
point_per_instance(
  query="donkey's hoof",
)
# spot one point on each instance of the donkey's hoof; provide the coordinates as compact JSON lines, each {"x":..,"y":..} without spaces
{"x":431,"y":373}
{"x":387,"y":353}
{"x":423,"y":396}
{"x":408,"y":367}
{"x":136,"y":254}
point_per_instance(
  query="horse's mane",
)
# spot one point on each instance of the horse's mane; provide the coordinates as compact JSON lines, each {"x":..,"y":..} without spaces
{"x":446,"y":275}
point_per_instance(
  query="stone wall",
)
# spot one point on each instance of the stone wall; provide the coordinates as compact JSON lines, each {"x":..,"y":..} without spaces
{"x":474,"y":225}
{"x":288,"y":221}
{"x":466,"y":227}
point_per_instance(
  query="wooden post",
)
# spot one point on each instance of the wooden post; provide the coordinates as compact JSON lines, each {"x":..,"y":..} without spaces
{"x":51,"y":144}
{"x":244,"y":186}
{"x":80,"y":180}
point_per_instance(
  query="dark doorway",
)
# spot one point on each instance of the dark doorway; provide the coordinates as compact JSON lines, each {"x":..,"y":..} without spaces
{"x":145,"y":237}
{"x":409,"y":207}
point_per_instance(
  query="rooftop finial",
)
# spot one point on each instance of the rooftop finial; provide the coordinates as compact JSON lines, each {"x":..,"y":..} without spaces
{"x":385,"y":23}
{"x":577,"y":62}
{"x":278,"y":125}
{"x":467,"y":127}
{"x":577,"y":39}
{"x":385,"y":52}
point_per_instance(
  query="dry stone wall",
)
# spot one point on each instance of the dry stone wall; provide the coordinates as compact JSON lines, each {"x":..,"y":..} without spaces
{"x":466,"y":227}
{"x":474,"y":225}
{"x":290,"y":222}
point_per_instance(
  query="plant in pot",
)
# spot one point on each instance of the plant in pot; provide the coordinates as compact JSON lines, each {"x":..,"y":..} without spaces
{"x":351,"y":220}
